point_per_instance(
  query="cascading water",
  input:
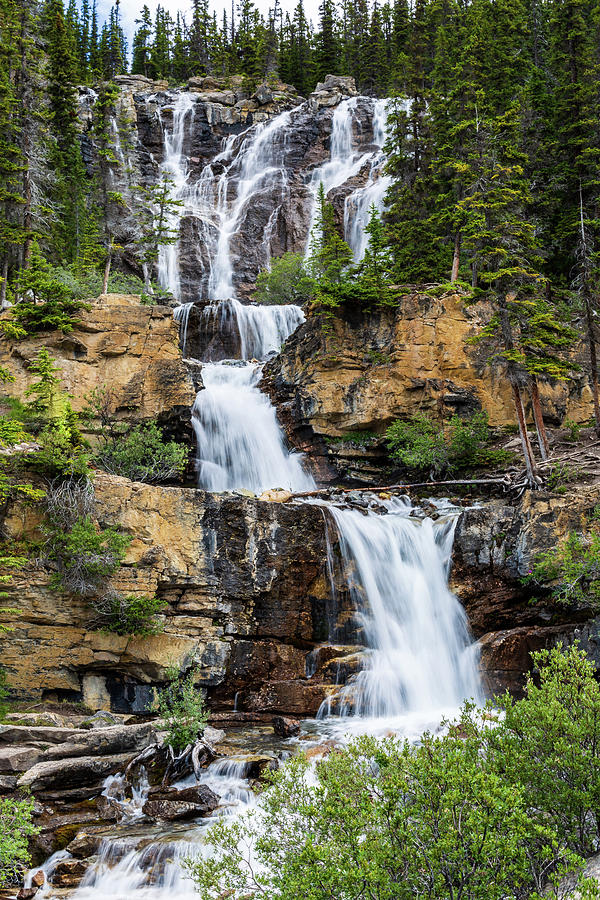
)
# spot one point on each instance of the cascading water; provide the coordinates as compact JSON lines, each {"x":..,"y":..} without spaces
{"x":174,"y":167}
{"x":422,"y":658}
{"x":239,"y":441}
{"x":357,"y":205}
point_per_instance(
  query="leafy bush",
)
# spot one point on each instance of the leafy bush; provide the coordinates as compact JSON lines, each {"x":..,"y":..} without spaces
{"x":421,"y":444}
{"x":549,"y":746}
{"x":286,"y":281}
{"x":16,"y":827}
{"x":63,"y":450}
{"x":418,"y":444}
{"x":181,"y":705}
{"x":12,"y":432}
{"x":571,"y":571}
{"x":491,"y":810}
{"x":86,"y":556}
{"x":130,"y":614}
{"x":573,"y":429}
{"x":143,"y":455}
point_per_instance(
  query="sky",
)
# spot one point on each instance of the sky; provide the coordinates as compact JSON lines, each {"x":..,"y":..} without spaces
{"x":130,"y":9}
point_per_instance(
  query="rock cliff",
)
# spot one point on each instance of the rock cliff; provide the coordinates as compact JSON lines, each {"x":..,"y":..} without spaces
{"x":368,"y":369}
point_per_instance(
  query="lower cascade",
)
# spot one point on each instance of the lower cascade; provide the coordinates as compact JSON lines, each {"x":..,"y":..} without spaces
{"x":421,"y":658}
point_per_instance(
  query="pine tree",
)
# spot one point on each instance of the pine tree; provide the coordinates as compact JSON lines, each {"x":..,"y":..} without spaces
{"x":142,"y":43}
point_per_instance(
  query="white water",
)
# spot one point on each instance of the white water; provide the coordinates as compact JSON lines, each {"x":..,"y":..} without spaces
{"x":423,"y":662}
{"x":240,"y":443}
{"x":357,"y":205}
{"x":175,"y":167}
{"x":181,"y":314}
{"x":261,"y":330}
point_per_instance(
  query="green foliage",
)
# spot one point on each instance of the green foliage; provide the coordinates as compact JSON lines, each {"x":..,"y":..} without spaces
{"x":570,"y":572}
{"x":421,"y":444}
{"x":142,"y":454}
{"x":491,"y":810}
{"x":85,"y":556}
{"x":549,"y":745}
{"x":573,"y":429}
{"x":12,"y":432}
{"x":559,"y":476}
{"x":285,"y":281}
{"x":16,"y":827}
{"x":130,"y":614}
{"x":42,"y":301}
{"x":418,"y":444}
{"x":181,"y":706}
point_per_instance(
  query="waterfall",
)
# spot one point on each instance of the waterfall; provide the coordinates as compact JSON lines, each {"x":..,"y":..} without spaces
{"x":239,"y":441}
{"x":240,"y":444}
{"x":259,"y":165}
{"x":181,"y":314}
{"x":422,"y":658}
{"x":174,"y":166}
{"x":357,"y":205}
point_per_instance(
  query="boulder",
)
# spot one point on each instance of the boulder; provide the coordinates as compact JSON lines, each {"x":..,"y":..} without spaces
{"x":84,"y":844}
{"x":189,"y":803}
{"x":69,"y":872}
{"x":18,"y":759}
{"x":213,"y":735}
{"x":29,"y":734}
{"x":61,"y":773}
{"x":343,"y":83}
{"x":105,"y":741}
{"x":285,"y":726}
{"x":101,"y":719}
{"x":35,"y":719}
{"x":8,"y":784}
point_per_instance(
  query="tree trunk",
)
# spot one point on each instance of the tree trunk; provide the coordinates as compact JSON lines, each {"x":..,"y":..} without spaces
{"x":106,"y":273}
{"x":589,"y":318}
{"x":538,"y":417}
{"x":456,"y":257}
{"x":525,"y":442}
{"x":3,"y":284}
{"x":148,"y":289}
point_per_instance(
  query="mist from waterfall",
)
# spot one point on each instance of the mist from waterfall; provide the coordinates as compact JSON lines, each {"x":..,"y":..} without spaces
{"x":421,"y":658}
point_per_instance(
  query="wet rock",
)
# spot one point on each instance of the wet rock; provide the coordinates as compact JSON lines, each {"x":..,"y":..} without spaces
{"x":189,"y":803}
{"x":69,"y":872}
{"x":27,"y":893}
{"x":84,"y":844}
{"x":108,"y":808}
{"x":64,"y":773}
{"x":285,"y":726}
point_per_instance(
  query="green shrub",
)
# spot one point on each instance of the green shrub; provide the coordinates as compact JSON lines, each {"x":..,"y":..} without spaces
{"x":570,"y":573}
{"x":63,"y":451}
{"x":418,"y":444}
{"x":421,"y":444}
{"x":86,"y":556}
{"x":12,"y":432}
{"x":573,"y":429}
{"x":286,"y":281}
{"x":16,"y":827}
{"x":130,"y":614}
{"x":143,"y":455}
{"x":181,"y":705}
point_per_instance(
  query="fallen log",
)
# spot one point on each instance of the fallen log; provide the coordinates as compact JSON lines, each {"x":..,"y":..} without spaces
{"x":402,"y":487}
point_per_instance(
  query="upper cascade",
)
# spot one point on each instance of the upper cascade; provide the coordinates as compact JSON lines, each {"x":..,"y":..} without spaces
{"x":246,"y":187}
